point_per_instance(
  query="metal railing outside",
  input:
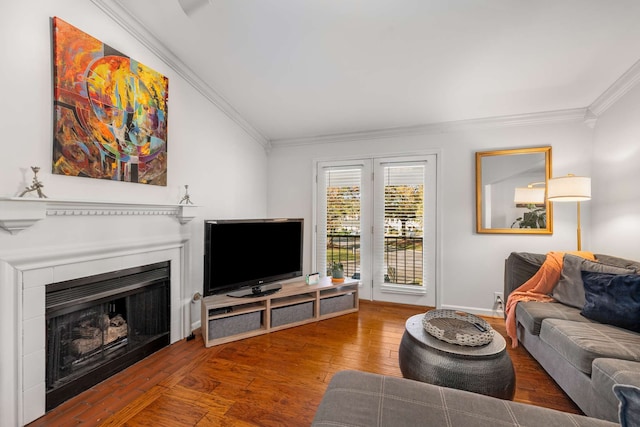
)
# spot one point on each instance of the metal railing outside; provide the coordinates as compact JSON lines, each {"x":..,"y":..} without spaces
{"x":346,"y":250}
{"x":403,"y":258}
{"x":402,"y":255}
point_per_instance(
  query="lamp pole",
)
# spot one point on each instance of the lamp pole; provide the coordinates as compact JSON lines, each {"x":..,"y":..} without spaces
{"x":579,"y":229}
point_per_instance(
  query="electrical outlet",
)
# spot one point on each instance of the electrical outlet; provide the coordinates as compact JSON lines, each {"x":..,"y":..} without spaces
{"x":498,"y":301}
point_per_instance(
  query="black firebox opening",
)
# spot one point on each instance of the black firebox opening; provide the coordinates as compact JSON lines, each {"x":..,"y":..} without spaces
{"x":100,"y":325}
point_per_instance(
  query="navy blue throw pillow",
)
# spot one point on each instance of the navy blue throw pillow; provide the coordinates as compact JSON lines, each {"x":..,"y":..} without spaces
{"x":613,"y":299}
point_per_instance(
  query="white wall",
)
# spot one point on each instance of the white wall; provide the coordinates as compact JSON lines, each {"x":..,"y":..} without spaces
{"x":227,"y":170}
{"x":224,"y":167}
{"x":616,"y":179}
{"x":481,"y":256}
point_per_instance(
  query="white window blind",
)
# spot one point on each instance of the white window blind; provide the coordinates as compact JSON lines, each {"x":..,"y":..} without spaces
{"x":404,"y":200}
{"x":343,"y":201}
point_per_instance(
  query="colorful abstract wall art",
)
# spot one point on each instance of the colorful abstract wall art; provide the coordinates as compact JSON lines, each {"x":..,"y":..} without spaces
{"x":110,"y":112}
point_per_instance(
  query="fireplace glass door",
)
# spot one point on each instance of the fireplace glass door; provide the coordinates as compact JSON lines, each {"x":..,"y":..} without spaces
{"x":98,"y":327}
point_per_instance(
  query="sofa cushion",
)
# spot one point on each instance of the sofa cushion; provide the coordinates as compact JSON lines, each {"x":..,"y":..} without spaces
{"x":363,"y":399}
{"x":608,"y":372}
{"x":580,"y":342}
{"x":618,"y":262}
{"x":531,"y":314}
{"x":570,"y":287}
{"x":613,"y":299}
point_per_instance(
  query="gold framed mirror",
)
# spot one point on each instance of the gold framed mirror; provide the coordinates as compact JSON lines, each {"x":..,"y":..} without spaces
{"x":511,"y":194}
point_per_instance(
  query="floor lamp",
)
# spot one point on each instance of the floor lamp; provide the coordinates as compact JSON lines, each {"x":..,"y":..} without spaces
{"x":570,"y":188}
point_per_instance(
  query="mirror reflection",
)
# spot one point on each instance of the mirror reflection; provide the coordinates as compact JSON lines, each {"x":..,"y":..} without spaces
{"x":511,"y":191}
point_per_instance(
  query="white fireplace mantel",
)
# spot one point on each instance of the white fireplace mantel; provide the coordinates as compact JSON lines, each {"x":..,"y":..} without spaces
{"x":63,"y":248}
{"x":17,"y":214}
{"x":23,"y":278}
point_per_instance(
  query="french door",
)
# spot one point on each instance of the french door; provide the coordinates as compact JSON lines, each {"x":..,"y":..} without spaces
{"x":378,"y":218}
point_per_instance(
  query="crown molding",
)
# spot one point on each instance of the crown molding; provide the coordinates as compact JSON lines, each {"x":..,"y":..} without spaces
{"x":547,"y":117}
{"x":590,"y":119}
{"x":139,"y":31}
{"x":588,"y":115}
{"x":617,"y":90}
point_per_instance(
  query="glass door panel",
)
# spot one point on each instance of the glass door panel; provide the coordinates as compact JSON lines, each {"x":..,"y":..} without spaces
{"x":404,"y":225}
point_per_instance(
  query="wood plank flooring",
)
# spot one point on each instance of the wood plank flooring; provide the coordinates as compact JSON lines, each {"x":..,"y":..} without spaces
{"x":276,"y":379}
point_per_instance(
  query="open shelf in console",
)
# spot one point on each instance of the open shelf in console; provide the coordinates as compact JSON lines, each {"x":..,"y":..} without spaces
{"x":286,"y":316}
{"x":338,"y":300}
{"x":293,"y":299}
{"x":226,"y":319}
{"x":341,"y":290}
{"x":215,"y":313}
{"x":224,"y":322}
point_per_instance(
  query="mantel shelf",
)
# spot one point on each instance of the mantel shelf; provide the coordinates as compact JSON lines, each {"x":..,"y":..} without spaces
{"x":18,"y":213}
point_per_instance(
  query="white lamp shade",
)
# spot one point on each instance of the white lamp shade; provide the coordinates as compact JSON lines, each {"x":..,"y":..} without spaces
{"x":569,"y":188}
{"x":529,"y":195}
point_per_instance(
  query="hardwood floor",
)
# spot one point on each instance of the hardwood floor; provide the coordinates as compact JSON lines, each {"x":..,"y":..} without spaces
{"x":276,"y":379}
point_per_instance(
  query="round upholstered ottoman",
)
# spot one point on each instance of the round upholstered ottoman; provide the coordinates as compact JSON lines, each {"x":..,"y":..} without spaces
{"x":485,"y":369}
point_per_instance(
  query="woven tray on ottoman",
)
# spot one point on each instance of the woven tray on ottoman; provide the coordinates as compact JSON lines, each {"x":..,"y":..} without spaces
{"x":457,"y":327}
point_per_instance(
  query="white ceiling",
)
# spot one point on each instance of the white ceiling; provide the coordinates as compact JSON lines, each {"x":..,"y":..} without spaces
{"x":302,"y":68}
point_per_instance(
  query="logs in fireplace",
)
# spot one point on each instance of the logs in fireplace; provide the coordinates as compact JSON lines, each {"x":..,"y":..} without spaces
{"x":91,"y":334}
{"x":99,"y":325}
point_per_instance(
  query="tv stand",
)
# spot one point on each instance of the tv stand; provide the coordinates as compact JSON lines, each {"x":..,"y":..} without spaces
{"x":230,"y":318}
{"x":256,"y":291}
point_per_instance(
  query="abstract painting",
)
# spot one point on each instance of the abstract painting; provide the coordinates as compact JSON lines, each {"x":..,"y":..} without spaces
{"x":110,"y":112}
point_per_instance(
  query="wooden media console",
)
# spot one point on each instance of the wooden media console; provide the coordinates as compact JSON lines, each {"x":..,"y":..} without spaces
{"x":226,"y":319}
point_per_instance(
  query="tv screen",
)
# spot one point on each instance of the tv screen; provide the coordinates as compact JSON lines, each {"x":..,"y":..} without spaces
{"x":241,"y":254}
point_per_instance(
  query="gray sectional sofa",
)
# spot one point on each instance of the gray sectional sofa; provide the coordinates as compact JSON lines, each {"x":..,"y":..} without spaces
{"x":359,"y":399}
{"x":596,"y":363}
{"x":585,"y":357}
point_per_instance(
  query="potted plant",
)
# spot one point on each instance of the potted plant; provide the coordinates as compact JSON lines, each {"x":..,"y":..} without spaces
{"x":536,"y":217}
{"x":336,"y":270}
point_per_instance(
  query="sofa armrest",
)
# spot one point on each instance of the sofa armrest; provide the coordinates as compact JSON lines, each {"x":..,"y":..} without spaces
{"x":520,"y":267}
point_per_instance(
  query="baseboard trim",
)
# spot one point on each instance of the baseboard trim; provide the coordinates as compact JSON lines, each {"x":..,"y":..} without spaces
{"x":475,"y":310}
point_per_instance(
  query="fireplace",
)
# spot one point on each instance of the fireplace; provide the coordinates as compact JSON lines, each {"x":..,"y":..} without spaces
{"x":55,"y":241}
{"x":99,"y":325}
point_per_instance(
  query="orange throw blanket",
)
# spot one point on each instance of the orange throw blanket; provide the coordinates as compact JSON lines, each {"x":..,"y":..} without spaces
{"x":537,"y":288}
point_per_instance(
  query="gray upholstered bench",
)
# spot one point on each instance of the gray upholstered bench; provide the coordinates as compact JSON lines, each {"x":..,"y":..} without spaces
{"x":362,"y":399}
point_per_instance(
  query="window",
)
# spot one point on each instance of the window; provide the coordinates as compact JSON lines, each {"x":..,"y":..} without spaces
{"x":343,"y":218}
{"x":403,"y":224}
{"x":377,"y":217}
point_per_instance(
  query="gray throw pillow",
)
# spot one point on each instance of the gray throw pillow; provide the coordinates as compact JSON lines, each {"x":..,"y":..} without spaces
{"x":629,"y":408}
{"x":570,"y":288}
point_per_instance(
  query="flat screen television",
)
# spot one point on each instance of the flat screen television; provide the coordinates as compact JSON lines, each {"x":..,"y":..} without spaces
{"x":245,"y":258}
